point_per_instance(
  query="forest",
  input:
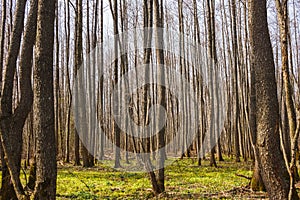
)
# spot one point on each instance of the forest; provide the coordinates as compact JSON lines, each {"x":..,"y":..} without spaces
{"x":151,"y":99}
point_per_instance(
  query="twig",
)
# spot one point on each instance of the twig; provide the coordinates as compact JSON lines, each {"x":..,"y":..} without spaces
{"x":74,"y":175}
{"x":243,"y":176}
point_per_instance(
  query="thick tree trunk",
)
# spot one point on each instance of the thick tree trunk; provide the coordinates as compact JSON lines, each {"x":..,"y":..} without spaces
{"x":257,"y":183}
{"x":271,"y":162}
{"x":44,"y":124}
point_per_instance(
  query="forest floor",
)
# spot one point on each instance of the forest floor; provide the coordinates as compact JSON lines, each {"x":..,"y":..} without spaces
{"x":184,"y":180}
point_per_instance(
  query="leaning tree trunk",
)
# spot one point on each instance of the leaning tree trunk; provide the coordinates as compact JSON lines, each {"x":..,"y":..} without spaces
{"x":12,"y":122}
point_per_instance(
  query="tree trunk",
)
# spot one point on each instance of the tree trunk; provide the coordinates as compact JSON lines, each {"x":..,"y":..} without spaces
{"x":78,"y":63}
{"x":271,"y":162}
{"x":2,"y":37}
{"x":257,"y":183}
{"x":12,"y":124}
{"x":68,"y":82}
{"x":46,"y":172}
{"x":161,"y":93}
{"x":282,"y":15}
{"x":235,"y":81}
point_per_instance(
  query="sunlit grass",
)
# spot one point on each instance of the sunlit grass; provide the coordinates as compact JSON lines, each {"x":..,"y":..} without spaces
{"x":183,"y":179}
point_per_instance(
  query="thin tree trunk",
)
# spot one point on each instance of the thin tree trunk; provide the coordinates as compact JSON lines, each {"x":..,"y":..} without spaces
{"x":12,"y":125}
{"x":78,"y":62}
{"x":2,"y":37}
{"x":282,"y":15}
{"x":69,"y":102}
{"x":161,"y":93}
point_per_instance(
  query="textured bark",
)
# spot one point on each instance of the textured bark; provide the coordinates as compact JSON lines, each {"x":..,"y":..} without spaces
{"x":12,"y":122}
{"x":271,"y":162}
{"x":257,"y":183}
{"x":44,"y":124}
{"x":7,"y":188}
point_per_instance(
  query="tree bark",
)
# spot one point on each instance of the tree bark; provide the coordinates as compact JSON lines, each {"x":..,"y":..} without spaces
{"x":282,"y":15}
{"x":78,"y":62}
{"x":12,"y":122}
{"x":256,"y":183}
{"x":271,"y":162}
{"x":44,"y":125}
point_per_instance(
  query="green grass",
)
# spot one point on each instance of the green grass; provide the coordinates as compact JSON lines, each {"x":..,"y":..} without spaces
{"x":183,"y":180}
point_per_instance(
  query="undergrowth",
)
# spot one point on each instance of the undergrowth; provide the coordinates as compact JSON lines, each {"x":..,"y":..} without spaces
{"x":184,"y":180}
